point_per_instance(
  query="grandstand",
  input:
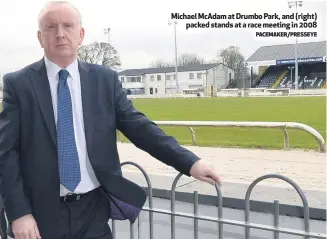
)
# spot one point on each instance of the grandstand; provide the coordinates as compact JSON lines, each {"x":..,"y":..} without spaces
{"x":277,"y":66}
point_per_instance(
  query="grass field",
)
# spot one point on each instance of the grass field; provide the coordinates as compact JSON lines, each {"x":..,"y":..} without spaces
{"x":306,"y":110}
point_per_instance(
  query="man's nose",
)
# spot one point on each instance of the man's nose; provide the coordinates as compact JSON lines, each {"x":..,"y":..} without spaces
{"x":60,"y":32}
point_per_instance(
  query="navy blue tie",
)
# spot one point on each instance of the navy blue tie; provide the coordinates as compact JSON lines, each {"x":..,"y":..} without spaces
{"x":69,"y":167}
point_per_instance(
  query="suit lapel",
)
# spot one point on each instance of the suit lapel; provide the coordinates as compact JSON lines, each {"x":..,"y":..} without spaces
{"x":88,"y":92}
{"x":41,"y":86}
{"x":42,"y":90}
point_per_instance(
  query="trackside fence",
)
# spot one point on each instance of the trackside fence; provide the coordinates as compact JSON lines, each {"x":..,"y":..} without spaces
{"x":245,"y":124}
{"x":275,"y":229}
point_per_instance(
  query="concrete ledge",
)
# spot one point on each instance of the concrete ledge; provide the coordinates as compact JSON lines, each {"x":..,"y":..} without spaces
{"x":236,"y":203}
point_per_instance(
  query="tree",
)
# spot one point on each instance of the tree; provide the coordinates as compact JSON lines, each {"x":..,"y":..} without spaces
{"x":100,"y":53}
{"x":190,"y":59}
{"x":233,"y":58}
{"x":160,"y":63}
{"x":183,"y":60}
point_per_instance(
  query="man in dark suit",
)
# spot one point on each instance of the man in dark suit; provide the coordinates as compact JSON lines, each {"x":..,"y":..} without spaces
{"x":60,"y":174}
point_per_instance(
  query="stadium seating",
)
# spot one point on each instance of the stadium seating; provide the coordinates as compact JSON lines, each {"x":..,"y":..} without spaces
{"x":311,"y":76}
{"x":286,"y":81}
{"x":270,"y":76}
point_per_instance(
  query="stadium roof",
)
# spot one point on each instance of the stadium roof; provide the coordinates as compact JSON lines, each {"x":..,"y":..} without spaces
{"x":286,"y":51}
{"x":137,"y":72}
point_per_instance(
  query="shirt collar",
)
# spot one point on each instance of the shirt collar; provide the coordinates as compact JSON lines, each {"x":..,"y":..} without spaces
{"x":53,"y":69}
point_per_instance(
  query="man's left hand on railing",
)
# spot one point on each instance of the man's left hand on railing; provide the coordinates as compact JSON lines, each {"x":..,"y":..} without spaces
{"x":204,"y":172}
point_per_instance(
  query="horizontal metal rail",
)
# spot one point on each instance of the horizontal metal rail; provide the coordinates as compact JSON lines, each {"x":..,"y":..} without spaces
{"x":240,"y":124}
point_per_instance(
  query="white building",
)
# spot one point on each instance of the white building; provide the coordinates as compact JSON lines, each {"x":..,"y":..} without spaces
{"x":162,"y":80}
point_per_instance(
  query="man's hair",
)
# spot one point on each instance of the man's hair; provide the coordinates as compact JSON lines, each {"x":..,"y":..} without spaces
{"x":48,"y":4}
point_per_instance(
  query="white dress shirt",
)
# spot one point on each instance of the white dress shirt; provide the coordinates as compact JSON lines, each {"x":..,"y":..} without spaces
{"x":88,"y":179}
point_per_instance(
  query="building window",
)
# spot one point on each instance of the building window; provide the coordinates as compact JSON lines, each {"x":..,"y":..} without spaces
{"x":132,"y":79}
{"x":191,"y":76}
{"x":152,"y":78}
{"x":122,"y":79}
{"x":167,"y":77}
{"x":199,"y":76}
{"x":158,"y":77}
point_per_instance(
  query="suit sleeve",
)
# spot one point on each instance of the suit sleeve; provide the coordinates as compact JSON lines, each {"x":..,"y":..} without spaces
{"x":147,"y":136}
{"x":11,"y":183}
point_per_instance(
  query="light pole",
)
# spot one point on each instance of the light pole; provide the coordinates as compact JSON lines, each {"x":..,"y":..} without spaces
{"x":204,"y":82}
{"x":291,"y":67}
{"x":107,"y":31}
{"x":251,"y":75}
{"x":176,"y":71}
{"x":296,"y":3}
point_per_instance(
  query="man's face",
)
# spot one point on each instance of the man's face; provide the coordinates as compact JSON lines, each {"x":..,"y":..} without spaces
{"x":60,"y":32}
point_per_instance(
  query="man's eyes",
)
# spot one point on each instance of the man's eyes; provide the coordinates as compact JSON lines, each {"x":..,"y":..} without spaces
{"x":65,"y":25}
{"x":68,"y":25}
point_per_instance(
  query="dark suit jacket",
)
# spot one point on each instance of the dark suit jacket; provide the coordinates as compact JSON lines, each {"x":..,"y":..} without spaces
{"x":29,"y":177}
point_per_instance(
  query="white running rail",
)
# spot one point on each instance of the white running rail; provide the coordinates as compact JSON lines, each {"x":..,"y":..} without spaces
{"x":223,"y":124}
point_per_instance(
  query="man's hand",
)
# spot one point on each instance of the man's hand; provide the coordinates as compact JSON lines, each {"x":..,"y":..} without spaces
{"x":202,"y":171}
{"x":25,"y":228}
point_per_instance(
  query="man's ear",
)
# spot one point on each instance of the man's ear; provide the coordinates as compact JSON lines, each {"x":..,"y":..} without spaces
{"x":39,"y":36}
{"x":82,"y":34}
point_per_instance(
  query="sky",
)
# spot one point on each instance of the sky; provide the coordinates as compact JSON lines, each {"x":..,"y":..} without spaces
{"x":140,"y":31}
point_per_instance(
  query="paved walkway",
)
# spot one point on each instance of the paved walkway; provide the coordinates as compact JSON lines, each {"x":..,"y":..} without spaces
{"x":238,"y":168}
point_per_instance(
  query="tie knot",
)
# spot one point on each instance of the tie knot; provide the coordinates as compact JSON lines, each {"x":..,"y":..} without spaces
{"x":63,"y":74}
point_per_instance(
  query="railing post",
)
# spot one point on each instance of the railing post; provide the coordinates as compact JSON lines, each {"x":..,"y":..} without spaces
{"x":193,"y":134}
{"x":286,"y":139}
{"x":113,"y":225}
{"x":276,"y":218}
{"x":219,"y":203}
{"x":148,"y":181}
{"x":295,"y":186}
{"x":172,"y":206}
{"x":196,"y":213}
{"x":220,"y":211}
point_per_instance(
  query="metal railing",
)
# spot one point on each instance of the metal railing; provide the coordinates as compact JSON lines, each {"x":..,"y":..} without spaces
{"x":220,"y":220}
{"x":223,"y":124}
